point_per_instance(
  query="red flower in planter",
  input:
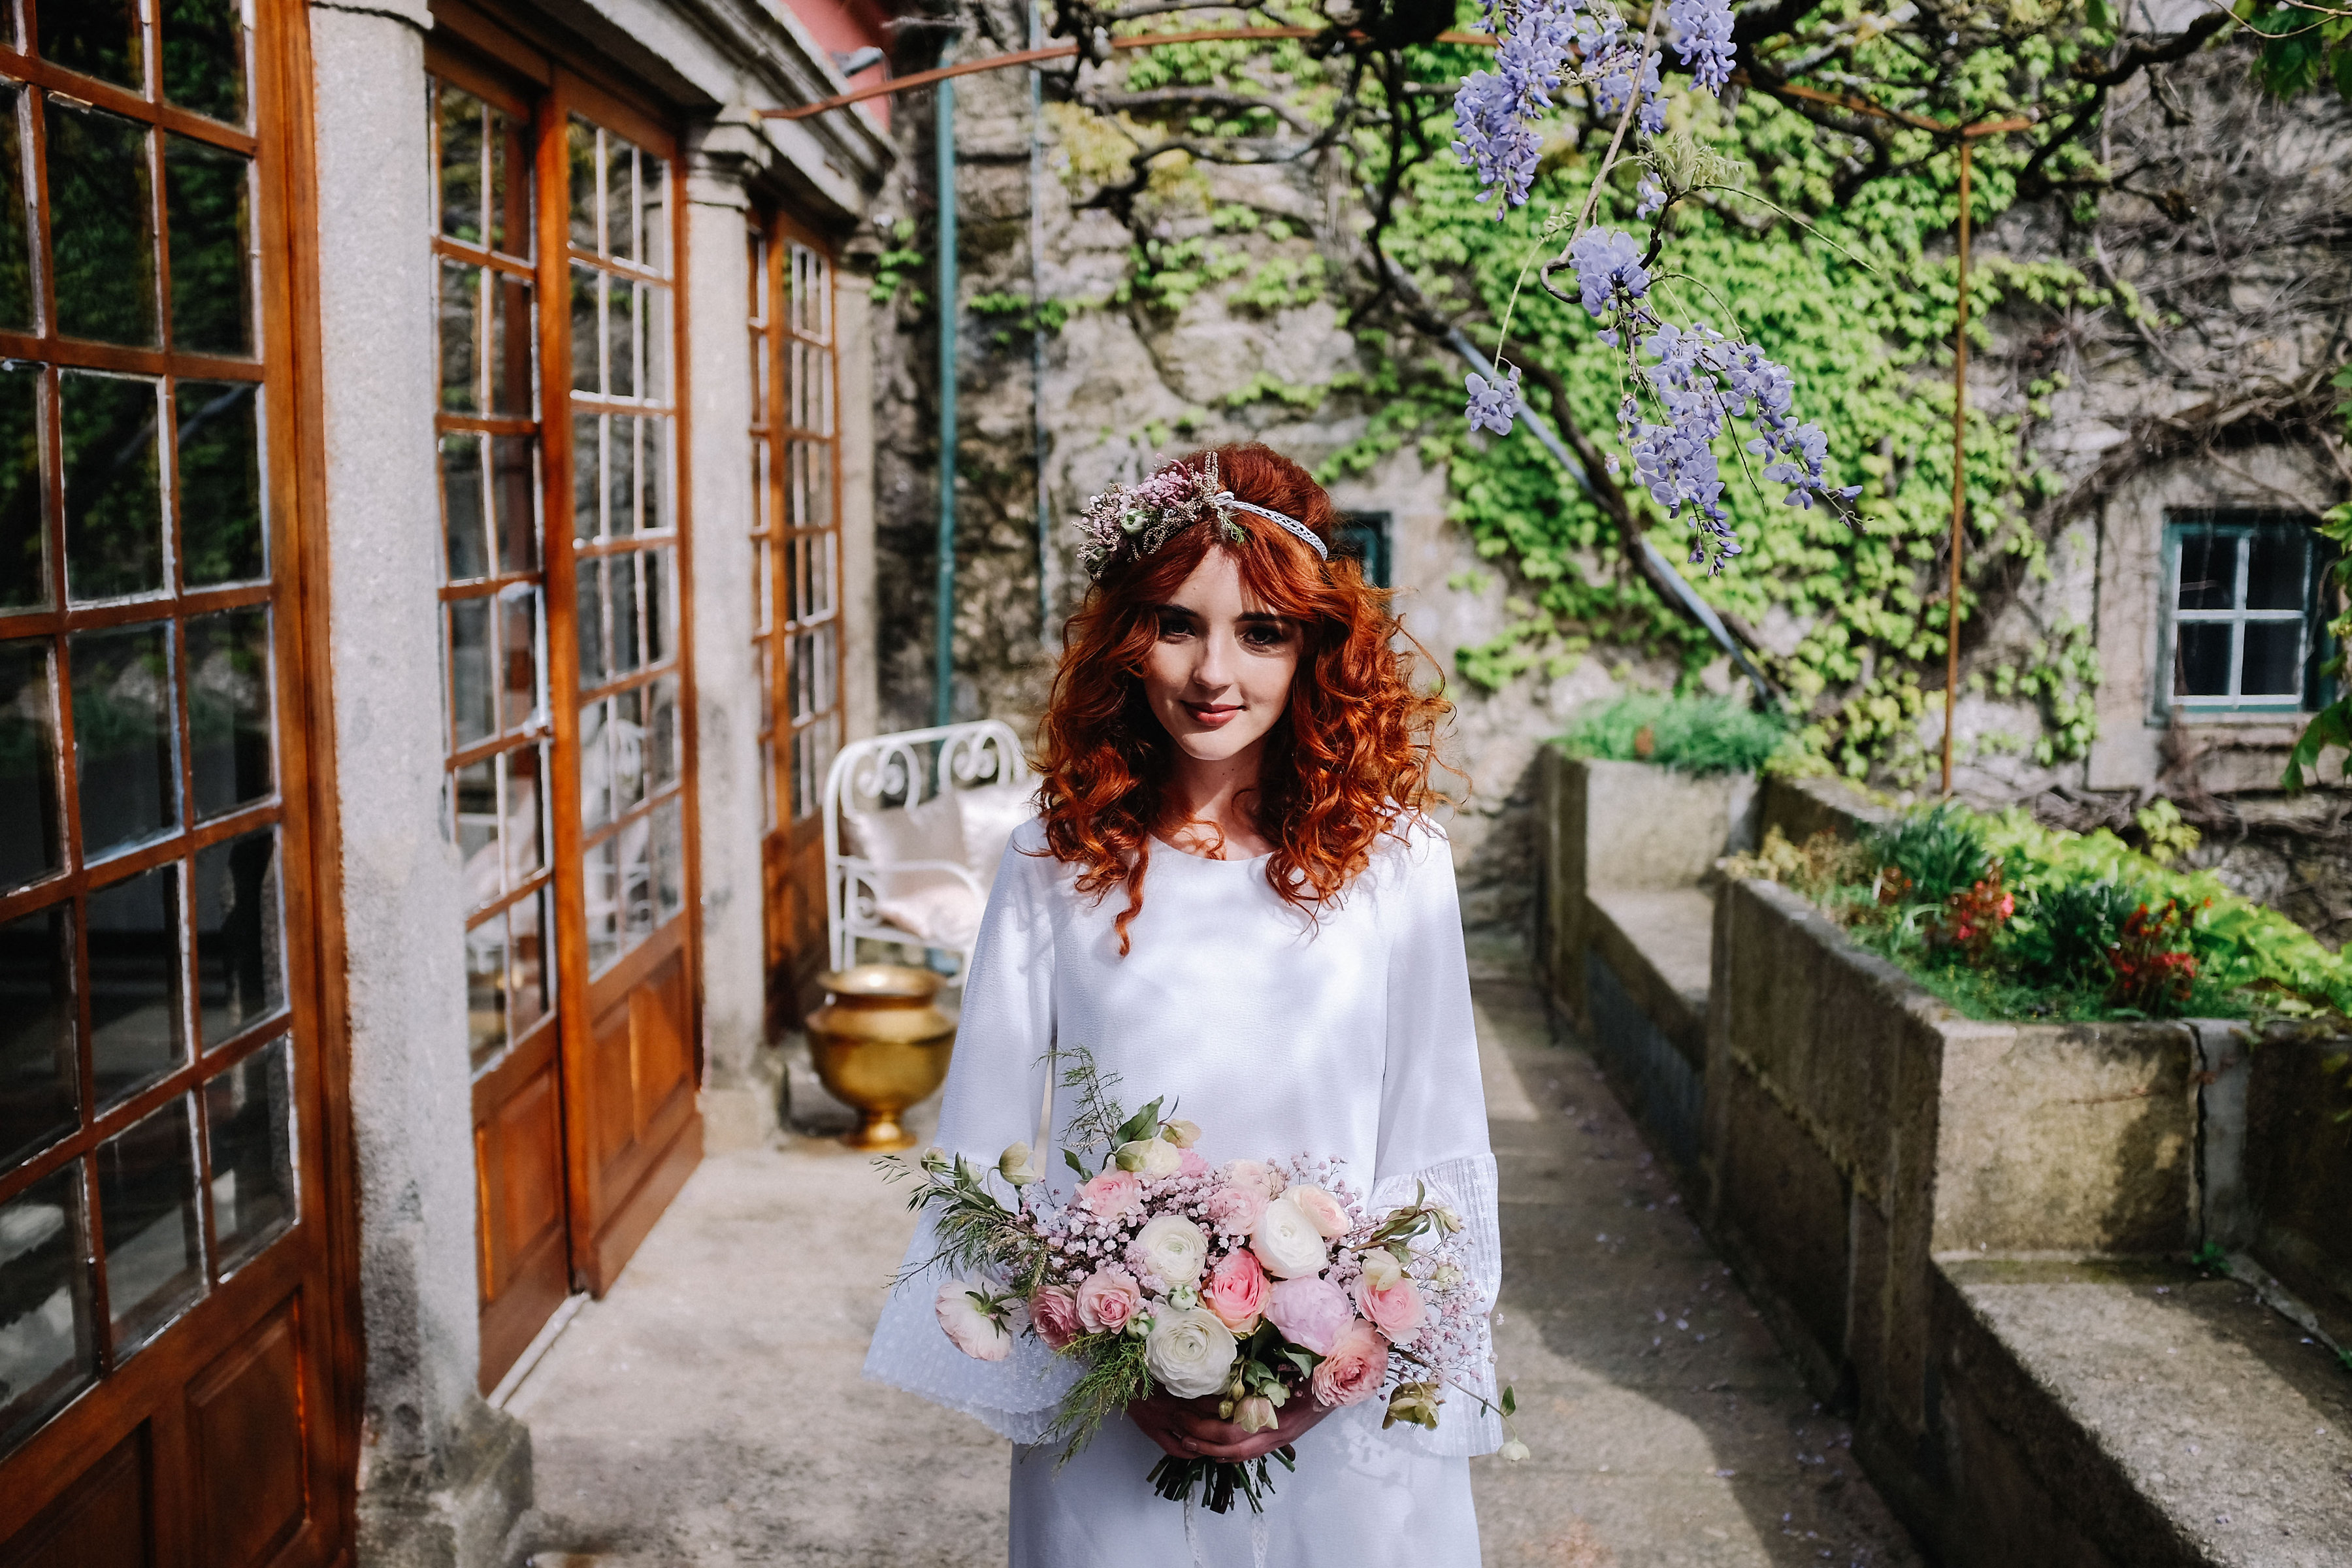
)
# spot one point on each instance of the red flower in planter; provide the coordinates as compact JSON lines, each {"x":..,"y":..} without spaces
{"x":1972,"y":919}
{"x":2154,"y":971}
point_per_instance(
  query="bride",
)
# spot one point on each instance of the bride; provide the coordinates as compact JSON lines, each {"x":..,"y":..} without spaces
{"x":1233,"y":895}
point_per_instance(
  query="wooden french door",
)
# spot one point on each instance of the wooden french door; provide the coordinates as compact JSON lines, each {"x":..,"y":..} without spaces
{"x":795,"y":590}
{"x":558,"y":237}
{"x":169,"y":1320}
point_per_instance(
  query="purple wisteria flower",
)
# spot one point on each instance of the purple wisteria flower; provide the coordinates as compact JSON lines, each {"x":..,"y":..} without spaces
{"x":1696,"y":380}
{"x":1702,"y":38}
{"x":1494,"y":403}
{"x":1494,"y":111}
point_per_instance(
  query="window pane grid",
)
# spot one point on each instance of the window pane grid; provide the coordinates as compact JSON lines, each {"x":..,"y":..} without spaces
{"x":625,"y":524}
{"x":2240,"y":607}
{"x":797,"y":528}
{"x":494,"y":603}
{"x":142,"y":954}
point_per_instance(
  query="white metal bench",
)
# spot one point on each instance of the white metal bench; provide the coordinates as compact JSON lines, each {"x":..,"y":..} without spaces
{"x":914,"y":826}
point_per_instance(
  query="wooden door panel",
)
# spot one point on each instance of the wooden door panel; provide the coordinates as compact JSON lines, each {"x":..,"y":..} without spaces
{"x":102,"y":1521}
{"x":659,"y":1011}
{"x":245,"y":1426}
{"x":518,"y":1176}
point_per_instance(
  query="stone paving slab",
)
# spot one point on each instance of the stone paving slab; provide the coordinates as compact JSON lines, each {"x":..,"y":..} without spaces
{"x":709,"y":1410}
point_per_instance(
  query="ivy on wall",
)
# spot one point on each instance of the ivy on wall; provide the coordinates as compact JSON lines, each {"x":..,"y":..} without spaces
{"x":1849,"y":283}
{"x":1858,"y":303}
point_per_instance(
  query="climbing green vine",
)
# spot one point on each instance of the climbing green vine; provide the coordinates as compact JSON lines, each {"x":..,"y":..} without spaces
{"x":1846,"y":278}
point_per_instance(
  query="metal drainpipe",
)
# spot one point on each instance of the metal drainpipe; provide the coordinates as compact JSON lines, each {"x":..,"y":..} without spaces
{"x":943,"y":650}
{"x":1037,"y":326}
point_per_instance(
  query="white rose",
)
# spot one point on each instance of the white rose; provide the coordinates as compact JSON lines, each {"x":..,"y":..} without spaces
{"x":1188,"y":1352}
{"x":1150,"y":1157}
{"x":1172,"y":1248}
{"x":1381,"y":1269}
{"x":977,"y":1334}
{"x":1286,"y":1241}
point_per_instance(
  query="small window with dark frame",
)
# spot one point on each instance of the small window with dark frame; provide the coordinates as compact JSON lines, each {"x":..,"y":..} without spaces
{"x":1365,"y":536}
{"x":2244,"y":628}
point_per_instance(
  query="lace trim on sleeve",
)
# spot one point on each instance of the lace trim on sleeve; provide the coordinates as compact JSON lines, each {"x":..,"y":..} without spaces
{"x":1468,"y":1186}
{"x":1016,"y":1397}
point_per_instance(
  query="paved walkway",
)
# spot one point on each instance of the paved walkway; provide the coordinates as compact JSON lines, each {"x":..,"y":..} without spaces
{"x":709,"y":1410}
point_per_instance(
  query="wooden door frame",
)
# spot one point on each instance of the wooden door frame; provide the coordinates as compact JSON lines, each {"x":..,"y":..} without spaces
{"x":782,"y":227}
{"x":326,"y":1232}
{"x":564,"y":84}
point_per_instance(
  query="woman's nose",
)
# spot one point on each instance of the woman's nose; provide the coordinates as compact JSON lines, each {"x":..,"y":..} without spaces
{"x":1215,"y":668}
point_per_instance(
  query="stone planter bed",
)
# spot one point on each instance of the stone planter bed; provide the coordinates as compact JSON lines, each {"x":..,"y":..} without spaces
{"x":1976,"y":1236}
{"x":1976,"y":1233}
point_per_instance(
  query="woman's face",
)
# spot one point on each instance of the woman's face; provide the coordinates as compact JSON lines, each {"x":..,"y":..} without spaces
{"x":1219,"y":674}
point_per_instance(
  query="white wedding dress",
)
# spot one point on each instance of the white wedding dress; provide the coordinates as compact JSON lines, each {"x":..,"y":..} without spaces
{"x":1349,"y":1039}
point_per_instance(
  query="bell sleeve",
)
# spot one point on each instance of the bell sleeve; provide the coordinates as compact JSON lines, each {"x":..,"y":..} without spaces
{"x":996,"y":1090}
{"x":1434,"y":1110}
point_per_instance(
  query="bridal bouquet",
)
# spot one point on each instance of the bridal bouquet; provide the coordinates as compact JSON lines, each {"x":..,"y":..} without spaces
{"x":1259,"y":1282}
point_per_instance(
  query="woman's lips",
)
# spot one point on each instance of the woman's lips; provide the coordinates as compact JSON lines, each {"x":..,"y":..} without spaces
{"x":1210,"y":716}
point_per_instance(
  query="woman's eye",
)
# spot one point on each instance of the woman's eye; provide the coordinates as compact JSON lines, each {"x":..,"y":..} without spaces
{"x":1173,"y":627}
{"x":1265,"y":636}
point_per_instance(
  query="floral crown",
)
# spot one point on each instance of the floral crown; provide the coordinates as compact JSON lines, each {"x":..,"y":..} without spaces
{"x":1127,"y":522}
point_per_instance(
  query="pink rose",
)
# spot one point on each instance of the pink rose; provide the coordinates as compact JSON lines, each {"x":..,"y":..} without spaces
{"x":1237,"y":1290}
{"x":1323,"y":1210}
{"x":1254,"y":1174}
{"x":1107,"y":1298}
{"x":1190,"y":1163}
{"x":1356,"y":1367}
{"x":1054,"y":1309}
{"x":1235,"y":1209}
{"x":1310,"y":1311}
{"x":1395,"y":1309}
{"x":1112,"y":1194}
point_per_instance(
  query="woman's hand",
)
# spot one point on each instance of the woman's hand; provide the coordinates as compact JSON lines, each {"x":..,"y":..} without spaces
{"x":1191,"y":1429}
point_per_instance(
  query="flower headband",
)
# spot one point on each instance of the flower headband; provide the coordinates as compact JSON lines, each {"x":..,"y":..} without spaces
{"x":1129,"y":521}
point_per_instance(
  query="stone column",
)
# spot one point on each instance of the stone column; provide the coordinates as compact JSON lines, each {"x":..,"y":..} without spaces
{"x":442,"y":1476}
{"x":861,"y":696}
{"x":741,"y":1076}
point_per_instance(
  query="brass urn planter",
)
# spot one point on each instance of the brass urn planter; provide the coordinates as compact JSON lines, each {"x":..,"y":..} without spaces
{"x":881,"y":1044}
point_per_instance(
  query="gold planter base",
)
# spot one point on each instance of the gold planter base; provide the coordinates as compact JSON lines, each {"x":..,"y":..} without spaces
{"x":881,"y":1045}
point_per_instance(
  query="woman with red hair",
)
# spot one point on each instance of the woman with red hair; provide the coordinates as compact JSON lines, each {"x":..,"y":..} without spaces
{"x":1233,"y":895}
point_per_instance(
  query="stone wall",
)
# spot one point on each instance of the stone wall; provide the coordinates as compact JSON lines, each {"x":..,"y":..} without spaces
{"x":1128,"y":380}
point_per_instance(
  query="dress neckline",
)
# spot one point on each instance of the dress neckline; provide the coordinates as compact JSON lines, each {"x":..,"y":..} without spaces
{"x":1204,"y":859}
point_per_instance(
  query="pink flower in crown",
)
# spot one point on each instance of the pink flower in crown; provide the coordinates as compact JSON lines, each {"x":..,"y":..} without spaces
{"x":1107,"y":1298}
{"x":1311,"y":1312}
{"x":1054,"y":1311}
{"x":1356,"y":1367}
{"x":1236,"y":1208}
{"x":1237,"y":1290}
{"x":1191,"y":1164}
{"x":1112,"y":1194}
{"x":1396,"y":1309}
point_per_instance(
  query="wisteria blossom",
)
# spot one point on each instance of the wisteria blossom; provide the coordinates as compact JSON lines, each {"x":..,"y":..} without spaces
{"x":1686,"y":382}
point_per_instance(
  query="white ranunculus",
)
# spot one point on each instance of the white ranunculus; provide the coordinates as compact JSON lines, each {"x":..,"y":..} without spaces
{"x":974,"y":1332}
{"x":1172,"y":1248}
{"x":1150,"y":1157}
{"x":1188,"y":1352}
{"x":1286,"y":1241}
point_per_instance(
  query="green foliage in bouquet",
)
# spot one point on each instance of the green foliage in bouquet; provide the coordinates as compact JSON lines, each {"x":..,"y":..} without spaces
{"x":1701,"y":735}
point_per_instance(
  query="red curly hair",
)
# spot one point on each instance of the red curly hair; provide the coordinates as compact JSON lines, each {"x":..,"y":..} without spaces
{"x":1349,"y":761}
